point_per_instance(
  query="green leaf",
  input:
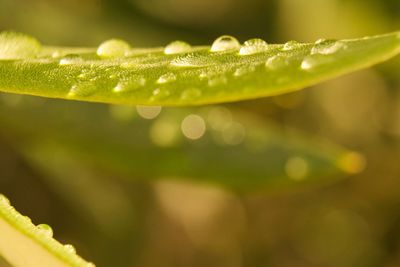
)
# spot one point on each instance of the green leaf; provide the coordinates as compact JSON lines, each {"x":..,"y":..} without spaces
{"x":180,"y":74}
{"x":238,"y":150}
{"x":23,"y":244}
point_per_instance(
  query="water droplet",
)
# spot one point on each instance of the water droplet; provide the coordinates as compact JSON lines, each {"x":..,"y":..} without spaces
{"x":166,"y":78}
{"x":244,"y":70}
{"x":45,"y":230}
{"x":159,"y":93}
{"x":217,"y":80}
{"x":253,"y":46}
{"x":327,"y":48}
{"x":70,"y":248}
{"x":190,"y":94}
{"x":290,"y":45}
{"x":148,"y":112}
{"x":191,"y":60}
{"x":18,"y":46}
{"x":276,"y":62}
{"x":71,"y":59}
{"x":113,"y":48}
{"x":225,"y":43}
{"x":177,"y":47}
{"x":129,"y":84}
{"x":296,"y":168}
{"x":311,"y":62}
{"x":82,"y":89}
{"x":320,"y":41}
{"x":193,"y":127}
{"x":4,"y":200}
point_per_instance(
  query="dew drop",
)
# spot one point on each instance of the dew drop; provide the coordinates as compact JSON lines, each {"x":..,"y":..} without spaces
{"x":18,"y":46}
{"x":276,"y":62}
{"x":82,"y":89}
{"x":70,"y":59}
{"x":45,"y":230}
{"x":4,"y":200}
{"x":190,"y":94}
{"x":309,"y":63}
{"x":327,"y":48}
{"x":70,"y":248}
{"x":130,"y":84}
{"x":217,"y":80}
{"x":166,"y":78}
{"x":244,"y":70}
{"x":191,"y":60}
{"x":159,"y":93}
{"x":290,"y":45}
{"x":113,"y":48}
{"x":225,"y":43}
{"x":177,"y":47}
{"x":253,"y":46}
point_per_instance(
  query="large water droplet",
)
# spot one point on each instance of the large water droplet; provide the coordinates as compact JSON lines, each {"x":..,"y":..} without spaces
{"x":130,"y":84}
{"x":113,"y":48}
{"x":177,"y":47}
{"x":190,"y":94}
{"x":18,"y":46}
{"x":290,"y":45}
{"x":45,"y":230}
{"x":4,"y":200}
{"x":253,"y":46}
{"x":70,"y":248}
{"x":225,"y":43}
{"x":328,"y":47}
{"x":276,"y":62}
{"x":71,"y":59}
{"x":166,"y":78}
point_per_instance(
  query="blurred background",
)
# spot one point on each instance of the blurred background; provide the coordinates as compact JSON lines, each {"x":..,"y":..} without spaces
{"x":115,"y":221}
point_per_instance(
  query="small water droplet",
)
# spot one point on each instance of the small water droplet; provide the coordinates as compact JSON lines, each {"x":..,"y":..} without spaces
{"x":276,"y":62}
{"x":4,"y":200}
{"x":45,"y":230}
{"x":70,"y":248}
{"x":327,"y":48}
{"x":18,"y":46}
{"x":159,"y":93}
{"x":113,"y":48}
{"x":82,"y":89}
{"x":253,"y":46}
{"x":225,"y":43}
{"x":130,"y":84}
{"x":217,"y":80}
{"x":244,"y":70}
{"x":177,"y":47}
{"x":190,"y":94}
{"x":166,"y":78}
{"x":70,"y":59}
{"x":310,"y":63}
{"x":290,"y":45}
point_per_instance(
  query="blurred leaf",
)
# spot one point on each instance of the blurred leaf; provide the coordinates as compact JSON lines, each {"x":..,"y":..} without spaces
{"x":25,"y":245}
{"x":180,"y":74}
{"x":238,"y":150}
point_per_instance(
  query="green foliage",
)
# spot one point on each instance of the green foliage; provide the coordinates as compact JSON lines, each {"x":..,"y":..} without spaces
{"x":25,"y":245}
{"x":238,"y":150}
{"x":180,"y":74}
